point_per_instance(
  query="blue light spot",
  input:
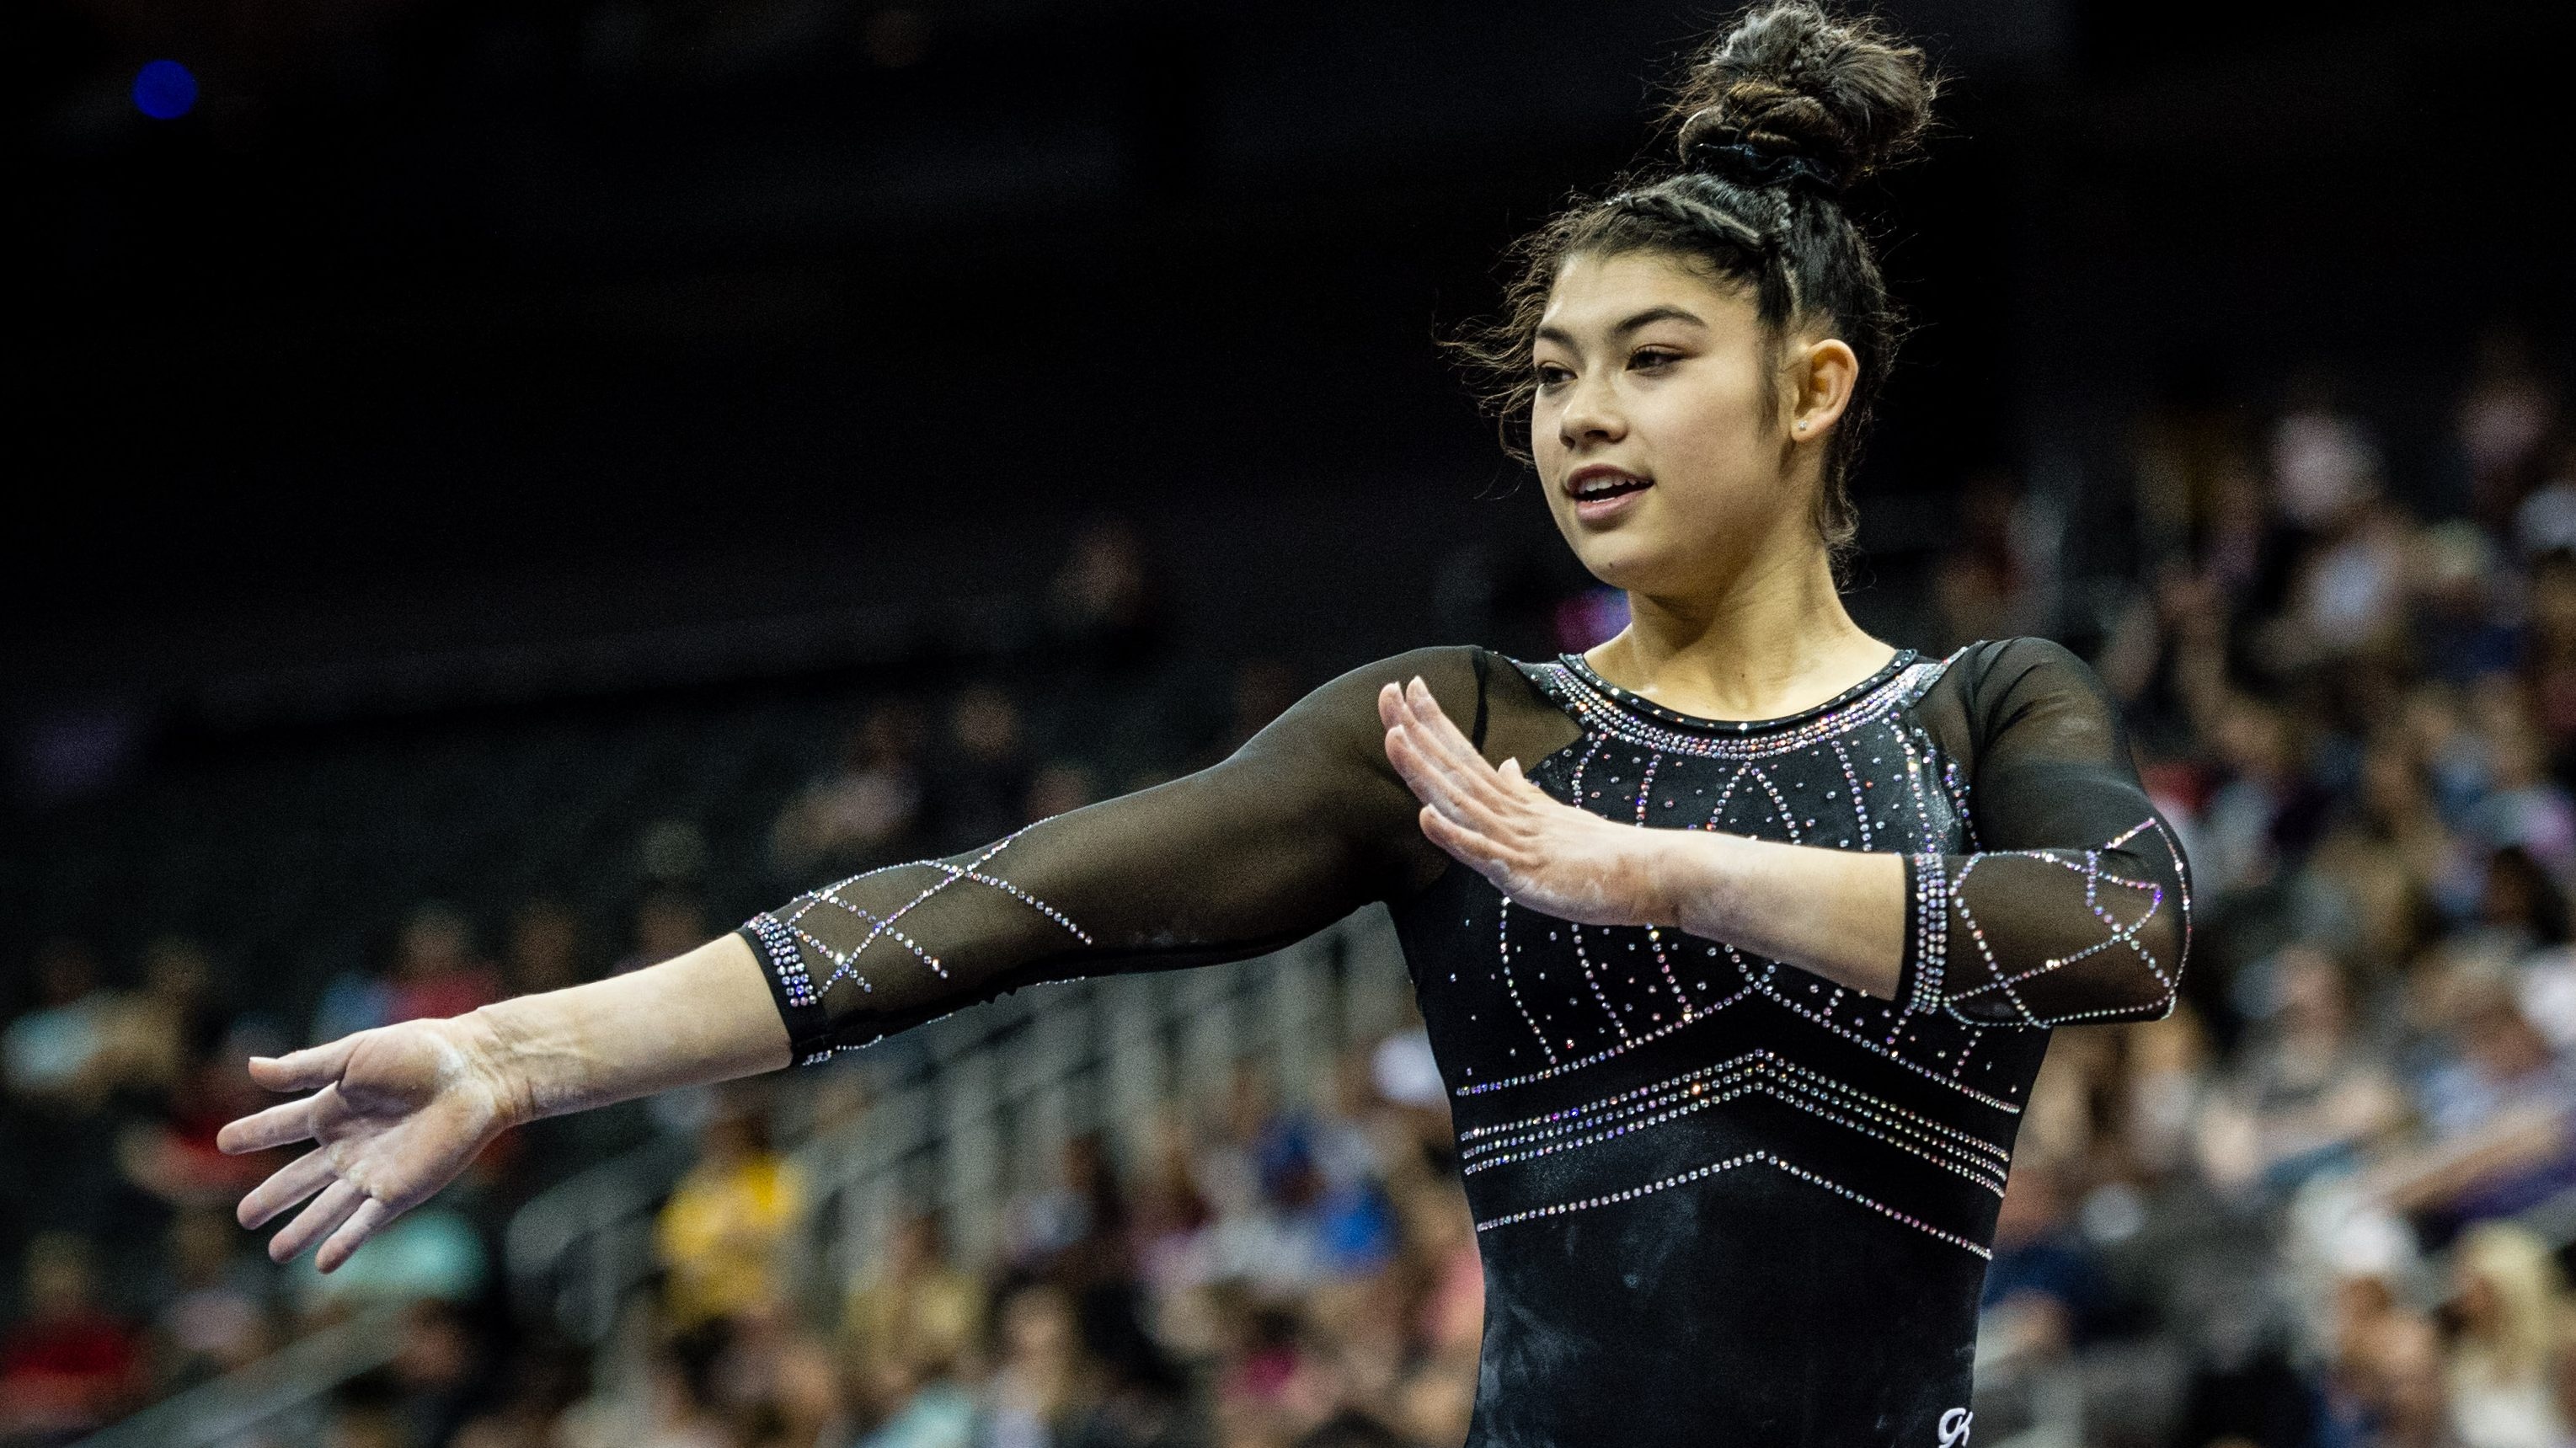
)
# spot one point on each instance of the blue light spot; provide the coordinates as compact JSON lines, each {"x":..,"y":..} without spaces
{"x":164,"y":90}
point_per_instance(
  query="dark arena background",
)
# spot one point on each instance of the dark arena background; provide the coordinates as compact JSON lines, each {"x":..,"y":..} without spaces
{"x":499,"y":492}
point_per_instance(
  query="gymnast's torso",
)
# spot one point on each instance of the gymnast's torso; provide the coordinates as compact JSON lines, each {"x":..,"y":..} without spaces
{"x":1720,"y":1199}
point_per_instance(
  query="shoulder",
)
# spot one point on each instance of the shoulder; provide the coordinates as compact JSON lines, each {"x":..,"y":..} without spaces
{"x":1342,"y":711}
{"x":1434,"y":665}
{"x":1999,"y":681}
{"x":2007,"y":658}
{"x":1991,"y":666}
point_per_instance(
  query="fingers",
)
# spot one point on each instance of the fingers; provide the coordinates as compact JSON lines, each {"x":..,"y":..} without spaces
{"x":353,"y":1233}
{"x":285,"y":1187}
{"x":1441,"y":747}
{"x":1452,"y":739}
{"x":339,"y":1202}
{"x":304,"y":1070}
{"x":279,"y":1125}
{"x":1465,"y":845}
{"x":1411,"y":707}
{"x":1440,"y":786}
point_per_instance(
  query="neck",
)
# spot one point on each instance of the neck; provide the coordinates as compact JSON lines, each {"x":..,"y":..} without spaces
{"x":1774,"y":639}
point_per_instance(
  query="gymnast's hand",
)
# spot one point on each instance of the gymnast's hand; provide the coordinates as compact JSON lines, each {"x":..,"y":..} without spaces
{"x":395,"y":1114}
{"x":1547,"y":856}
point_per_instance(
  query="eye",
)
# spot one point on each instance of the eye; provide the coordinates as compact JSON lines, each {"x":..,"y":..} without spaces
{"x":1650,"y":358}
{"x":1549,"y":374}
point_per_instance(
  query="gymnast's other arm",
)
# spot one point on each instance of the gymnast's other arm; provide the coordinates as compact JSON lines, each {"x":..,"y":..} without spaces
{"x":1303,"y":824}
{"x":2078,"y":911}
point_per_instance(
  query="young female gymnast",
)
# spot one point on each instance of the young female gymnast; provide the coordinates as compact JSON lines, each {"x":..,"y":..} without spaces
{"x":1739,"y":937}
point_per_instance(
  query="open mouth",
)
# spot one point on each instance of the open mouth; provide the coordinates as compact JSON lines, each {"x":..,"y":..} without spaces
{"x":1601,"y":492}
{"x":1602,"y":486}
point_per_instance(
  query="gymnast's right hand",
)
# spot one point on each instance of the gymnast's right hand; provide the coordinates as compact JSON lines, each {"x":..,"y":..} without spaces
{"x":395,"y":1114}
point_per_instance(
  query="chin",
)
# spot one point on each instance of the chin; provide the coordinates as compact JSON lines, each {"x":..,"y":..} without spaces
{"x":1622,"y":563}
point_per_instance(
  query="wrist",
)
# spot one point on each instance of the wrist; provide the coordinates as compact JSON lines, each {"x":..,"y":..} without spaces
{"x":496,"y":1053}
{"x":1692,"y":880}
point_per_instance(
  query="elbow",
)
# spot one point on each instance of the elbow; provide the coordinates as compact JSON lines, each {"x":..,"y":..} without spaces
{"x":2137,"y":978}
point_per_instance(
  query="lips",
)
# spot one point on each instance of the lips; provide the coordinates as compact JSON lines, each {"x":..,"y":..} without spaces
{"x":1601,"y":491}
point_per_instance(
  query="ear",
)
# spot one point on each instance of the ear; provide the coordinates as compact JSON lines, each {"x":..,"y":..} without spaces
{"x":1821,"y":377}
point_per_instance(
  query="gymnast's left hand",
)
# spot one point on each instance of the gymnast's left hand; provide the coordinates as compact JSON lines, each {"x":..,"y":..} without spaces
{"x":1545,"y":855}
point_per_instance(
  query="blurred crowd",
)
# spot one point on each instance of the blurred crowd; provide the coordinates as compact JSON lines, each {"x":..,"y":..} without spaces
{"x":2327,"y":1203}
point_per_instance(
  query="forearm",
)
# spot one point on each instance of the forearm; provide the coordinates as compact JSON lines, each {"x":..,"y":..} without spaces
{"x":700,"y":1017}
{"x":1838,"y":913}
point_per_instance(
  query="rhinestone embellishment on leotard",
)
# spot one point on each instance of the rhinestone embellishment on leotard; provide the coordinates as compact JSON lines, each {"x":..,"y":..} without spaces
{"x":788,"y":942}
{"x":1931,"y":932}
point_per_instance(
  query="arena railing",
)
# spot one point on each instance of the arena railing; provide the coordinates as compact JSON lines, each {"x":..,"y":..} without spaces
{"x":261,"y":1394}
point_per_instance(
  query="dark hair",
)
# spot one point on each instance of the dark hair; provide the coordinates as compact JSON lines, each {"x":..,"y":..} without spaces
{"x":1776,"y":119}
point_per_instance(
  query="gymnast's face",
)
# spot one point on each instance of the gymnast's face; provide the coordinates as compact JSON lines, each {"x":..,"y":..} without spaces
{"x":1680,"y":446}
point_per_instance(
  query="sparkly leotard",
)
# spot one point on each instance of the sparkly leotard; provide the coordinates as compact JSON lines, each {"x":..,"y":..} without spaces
{"x":1720,"y":1199}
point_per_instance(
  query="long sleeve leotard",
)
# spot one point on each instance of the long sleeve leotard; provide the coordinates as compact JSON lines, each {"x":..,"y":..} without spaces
{"x":1720,"y":1199}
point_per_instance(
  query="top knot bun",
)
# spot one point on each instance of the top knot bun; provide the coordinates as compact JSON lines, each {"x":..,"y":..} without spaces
{"x":1791,"y":79}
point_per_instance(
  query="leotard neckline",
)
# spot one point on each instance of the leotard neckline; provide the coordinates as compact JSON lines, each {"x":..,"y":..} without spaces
{"x":1735,"y":728}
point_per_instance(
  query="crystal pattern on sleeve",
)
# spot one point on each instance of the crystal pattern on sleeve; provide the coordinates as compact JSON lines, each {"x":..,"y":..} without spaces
{"x":2074,"y":903}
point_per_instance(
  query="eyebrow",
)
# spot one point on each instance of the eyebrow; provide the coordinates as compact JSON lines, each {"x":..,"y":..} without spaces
{"x":1646,"y":318}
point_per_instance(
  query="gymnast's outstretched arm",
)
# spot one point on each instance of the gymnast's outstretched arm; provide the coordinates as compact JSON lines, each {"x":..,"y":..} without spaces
{"x":1303,"y":824}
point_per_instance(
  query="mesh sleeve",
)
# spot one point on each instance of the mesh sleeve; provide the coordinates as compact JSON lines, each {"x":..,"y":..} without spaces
{"x":1303,"y":824}
{"x":2076,"y":905}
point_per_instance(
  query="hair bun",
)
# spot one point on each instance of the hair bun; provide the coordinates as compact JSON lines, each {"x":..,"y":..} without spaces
{"x":1793,"y":81}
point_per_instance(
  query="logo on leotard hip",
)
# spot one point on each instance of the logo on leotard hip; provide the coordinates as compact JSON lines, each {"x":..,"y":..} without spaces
{"x":1954,"y":1427}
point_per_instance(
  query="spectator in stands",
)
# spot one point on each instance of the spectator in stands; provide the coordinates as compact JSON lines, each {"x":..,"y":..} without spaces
{"x":60,"y":1053}
{"x":2307,"y":1093}
{"x":912,"y":1318}
{"x":1169,"y":1211}
{"x":1105,"y":607}
{"x":1073,"y":1231}
{"x":676,"y":1408}
{"x":869,"y":809}
{"x":2500,"y":1115}
{"x":2549,"y":642}
{"x":2508,"y":1296}
{"x":720,"y":1235}
{"x":983,"y":774}
{"x":2522,"y":806}
{"x":545,"y":947}
{"x":68,"y":1365}
{"x":1988,"y":586}
{"x":214,"y":1313}
{"x":2259,"y":821}
{"x":2464,"y":623}
{"x":2506,"y":416}
{"x":436,"y":972}
{"x":2045,"y":1292}
{"x":1043,"y":1385}
{"x":172,"y":1156}
{"x":668,"y":920}
{"x":166,"y":1030}
{"x":435,"y":1371}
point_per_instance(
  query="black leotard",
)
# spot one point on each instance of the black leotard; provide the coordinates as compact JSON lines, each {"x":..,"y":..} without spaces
{"x":1720,"y":1199}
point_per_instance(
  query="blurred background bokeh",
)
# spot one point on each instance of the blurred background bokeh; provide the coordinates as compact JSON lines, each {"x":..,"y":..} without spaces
{"x":501,"y":491}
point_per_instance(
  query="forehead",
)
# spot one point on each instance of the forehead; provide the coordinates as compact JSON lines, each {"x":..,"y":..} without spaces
{"x":1593,"y":293}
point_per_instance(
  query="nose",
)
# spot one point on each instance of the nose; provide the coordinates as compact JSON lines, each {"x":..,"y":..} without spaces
{"x":1591,"y":415}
